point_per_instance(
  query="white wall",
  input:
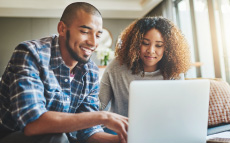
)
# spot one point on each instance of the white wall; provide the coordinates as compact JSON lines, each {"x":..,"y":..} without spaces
{"x":16,"y":30}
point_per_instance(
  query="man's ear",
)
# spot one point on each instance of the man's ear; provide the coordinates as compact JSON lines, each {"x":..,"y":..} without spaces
{"x":61,"y":28}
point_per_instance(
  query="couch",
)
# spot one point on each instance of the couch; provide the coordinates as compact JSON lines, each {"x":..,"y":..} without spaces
{"x":219,"y":106}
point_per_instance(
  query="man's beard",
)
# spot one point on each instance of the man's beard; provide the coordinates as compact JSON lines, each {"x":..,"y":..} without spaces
{"x":73,"y":54}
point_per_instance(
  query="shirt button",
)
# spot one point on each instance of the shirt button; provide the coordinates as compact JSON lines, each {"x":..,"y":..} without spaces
{"x":67,"y":98}
{"x":66,"y":80}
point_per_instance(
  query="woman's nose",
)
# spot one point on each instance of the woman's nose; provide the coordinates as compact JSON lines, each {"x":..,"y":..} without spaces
{"x":151,"y":49}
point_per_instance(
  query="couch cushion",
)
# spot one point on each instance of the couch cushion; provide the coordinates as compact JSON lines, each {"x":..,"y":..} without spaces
{"x":219,"y":103}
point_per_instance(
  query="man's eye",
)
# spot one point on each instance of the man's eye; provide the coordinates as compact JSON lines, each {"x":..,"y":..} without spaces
{"x":84,"y":32}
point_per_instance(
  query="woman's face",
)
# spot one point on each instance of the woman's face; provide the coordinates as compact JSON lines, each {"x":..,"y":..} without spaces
{"x":152,"y":49}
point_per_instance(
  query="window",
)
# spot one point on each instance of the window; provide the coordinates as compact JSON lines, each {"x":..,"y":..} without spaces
{"x":185,"y":24}
{"x":204,"y":38}
{"x":222,"y":13}
{"x":205,"y":24}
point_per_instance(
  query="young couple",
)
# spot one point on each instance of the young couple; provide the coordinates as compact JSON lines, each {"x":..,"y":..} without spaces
{"x":50,"y":86}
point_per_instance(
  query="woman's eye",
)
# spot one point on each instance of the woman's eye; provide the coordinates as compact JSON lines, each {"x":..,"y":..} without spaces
{"x":144,"y":43}
{"x":159,"y":46}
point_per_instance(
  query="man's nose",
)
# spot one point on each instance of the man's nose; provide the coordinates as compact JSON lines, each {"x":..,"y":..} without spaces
{"x":92,"y":41}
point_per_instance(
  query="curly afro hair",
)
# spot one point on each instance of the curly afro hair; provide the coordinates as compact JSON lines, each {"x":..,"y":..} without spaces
{"x":176,"y":58}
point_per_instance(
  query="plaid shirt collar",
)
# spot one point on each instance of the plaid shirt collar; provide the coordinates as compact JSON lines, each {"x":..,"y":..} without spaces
{"x":56,"y":58}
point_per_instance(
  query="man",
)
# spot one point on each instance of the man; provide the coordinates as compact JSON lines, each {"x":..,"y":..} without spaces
{"x":50,"y":86}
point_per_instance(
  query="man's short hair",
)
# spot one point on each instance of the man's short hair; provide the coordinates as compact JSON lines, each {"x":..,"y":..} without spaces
{"x":70,"y":11}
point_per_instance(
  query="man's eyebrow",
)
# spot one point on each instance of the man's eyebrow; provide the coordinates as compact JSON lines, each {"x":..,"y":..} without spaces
{"x":87,"y":27}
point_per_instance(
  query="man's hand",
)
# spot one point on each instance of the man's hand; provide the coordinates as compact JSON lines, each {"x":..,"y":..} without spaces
{"x":117,"y":123}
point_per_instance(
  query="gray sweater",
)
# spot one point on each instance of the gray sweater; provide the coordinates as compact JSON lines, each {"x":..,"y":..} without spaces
{"x":115,"y":83}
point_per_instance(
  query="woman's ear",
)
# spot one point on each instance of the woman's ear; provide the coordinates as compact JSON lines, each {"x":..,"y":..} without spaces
{"x":61,"y":28}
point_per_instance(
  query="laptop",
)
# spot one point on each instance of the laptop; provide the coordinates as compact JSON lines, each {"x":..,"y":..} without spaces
{"x":168,"y":111}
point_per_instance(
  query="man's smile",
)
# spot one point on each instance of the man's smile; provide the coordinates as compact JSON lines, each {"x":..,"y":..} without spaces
{"x":87,"y":51}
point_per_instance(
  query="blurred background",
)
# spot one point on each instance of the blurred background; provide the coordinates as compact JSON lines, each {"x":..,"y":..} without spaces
{"x":205,"y":24}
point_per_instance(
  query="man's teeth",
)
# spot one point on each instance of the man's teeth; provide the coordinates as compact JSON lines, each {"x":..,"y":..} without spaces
{"x":87,"y":50}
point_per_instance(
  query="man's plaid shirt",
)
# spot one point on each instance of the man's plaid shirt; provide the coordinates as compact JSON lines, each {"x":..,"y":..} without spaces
{"x":37,"y":80}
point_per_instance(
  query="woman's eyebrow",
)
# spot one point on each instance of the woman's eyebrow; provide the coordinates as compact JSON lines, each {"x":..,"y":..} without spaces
{"x":146,"y":39}
{"x":160,"y":41}
{"x":149,"y":40}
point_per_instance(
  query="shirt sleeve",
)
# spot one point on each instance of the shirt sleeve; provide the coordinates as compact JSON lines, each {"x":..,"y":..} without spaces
{"x":106,"y":91}
{"x":90,"y":104}
{"x":26,"y":88}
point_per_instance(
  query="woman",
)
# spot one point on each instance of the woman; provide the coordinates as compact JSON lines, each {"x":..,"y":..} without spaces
{"x":151,"y":48}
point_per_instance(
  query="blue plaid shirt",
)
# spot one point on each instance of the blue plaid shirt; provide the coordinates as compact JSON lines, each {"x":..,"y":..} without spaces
{"x":37,"y":80}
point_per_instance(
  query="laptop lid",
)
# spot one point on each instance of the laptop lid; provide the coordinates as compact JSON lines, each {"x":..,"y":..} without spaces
{"x":169,"y":111}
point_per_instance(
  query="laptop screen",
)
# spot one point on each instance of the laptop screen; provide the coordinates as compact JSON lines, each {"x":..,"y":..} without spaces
{"x":174,"y":111}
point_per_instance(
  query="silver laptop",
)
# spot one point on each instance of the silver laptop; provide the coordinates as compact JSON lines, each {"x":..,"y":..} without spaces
{"x":168,"y":111}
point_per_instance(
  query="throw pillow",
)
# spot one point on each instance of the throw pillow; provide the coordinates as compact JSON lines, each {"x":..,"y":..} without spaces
{"x":219,"y":103}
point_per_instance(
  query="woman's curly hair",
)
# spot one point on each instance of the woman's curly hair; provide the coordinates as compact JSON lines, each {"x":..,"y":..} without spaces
{"x":176,"y":58}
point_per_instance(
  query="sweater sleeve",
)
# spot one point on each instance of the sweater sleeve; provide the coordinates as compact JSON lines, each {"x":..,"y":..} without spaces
{"x":106,"y":91}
